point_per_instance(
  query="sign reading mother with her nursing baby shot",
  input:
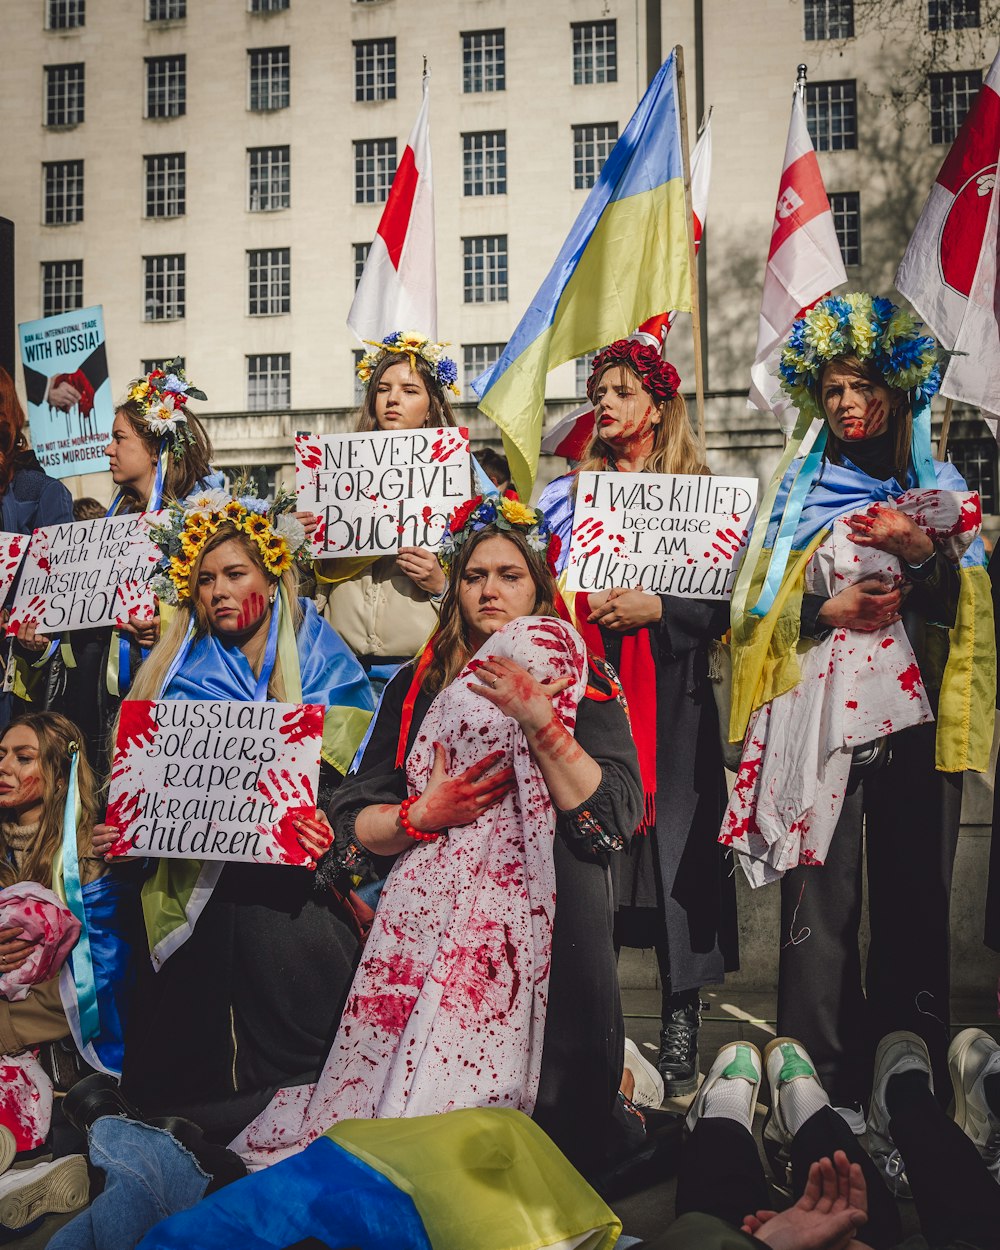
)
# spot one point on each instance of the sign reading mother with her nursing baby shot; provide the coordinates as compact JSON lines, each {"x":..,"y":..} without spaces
{"x":669,"y":534}
{"x":375,"y":493}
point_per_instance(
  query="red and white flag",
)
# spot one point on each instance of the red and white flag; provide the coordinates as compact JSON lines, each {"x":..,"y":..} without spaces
{"x":804,"y":263}
{"x":949,"y":269}
{"x":398,"y":287}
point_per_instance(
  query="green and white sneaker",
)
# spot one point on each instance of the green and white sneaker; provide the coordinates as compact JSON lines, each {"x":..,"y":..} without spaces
{"x":796,"y":1094}
{"x":731,"y":1087}
{"x":973,"y":1056}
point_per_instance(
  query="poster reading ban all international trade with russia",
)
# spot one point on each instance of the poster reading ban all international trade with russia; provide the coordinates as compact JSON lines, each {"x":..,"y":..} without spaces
{"x":70,"y":409}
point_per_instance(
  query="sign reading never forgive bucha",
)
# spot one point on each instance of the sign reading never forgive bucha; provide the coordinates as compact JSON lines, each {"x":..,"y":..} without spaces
{"x":216,"y":780}
{"x":669,"y":534}
{"x":375,"y":493}
{"x":72,"y":572}
{"x":70,"y":409}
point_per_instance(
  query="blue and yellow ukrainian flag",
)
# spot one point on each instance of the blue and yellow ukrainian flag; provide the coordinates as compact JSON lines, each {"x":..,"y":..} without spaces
{"x":625,"y":259}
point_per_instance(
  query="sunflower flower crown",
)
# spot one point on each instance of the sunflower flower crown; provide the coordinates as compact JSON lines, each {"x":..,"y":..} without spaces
{"x":411,"y":344}
{"x":865,"y":326}
{"x":506,"y":512}
{"x":188,"y":525}
{"x":160,"y":397}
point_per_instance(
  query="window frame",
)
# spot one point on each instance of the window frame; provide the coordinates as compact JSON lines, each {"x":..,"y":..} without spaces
{"x":269,"y":281}
{"x":277,"y":170}
{"x":179,"y":15}
{"x":823,"y":141}
{"x":71,"y":9}
{"x":374,"y":75}
{"x":265,"y":67}
{"x":272,"y":375}
{"x":587,"y":165}
{"x":172,"y":101}
{"x":48,"y":277}
{"x":490,"y":277}
{"x":821,"y":16}
{"x":176,"y":195}
{"x":844,"y":205}
{"x":485,"y":165}
{"x":157,"y":269}
{"x":58,"y":81}
{"x":72,"y":214}
{"x":941,"y":15}
{"x":490,"y":354}
{"x":378,"y":178}
{"x":938,"y":132}
{"x":484,"y":66}
{"x":591,"y":43}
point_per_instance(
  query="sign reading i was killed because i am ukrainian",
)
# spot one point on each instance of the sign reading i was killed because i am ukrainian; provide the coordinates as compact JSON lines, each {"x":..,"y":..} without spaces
{"x":221,"y":780}
{"x":374,"y":493}
{"x":669,"y":534}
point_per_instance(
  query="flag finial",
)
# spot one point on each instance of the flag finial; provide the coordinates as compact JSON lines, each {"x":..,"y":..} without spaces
{"x":800,"y":78}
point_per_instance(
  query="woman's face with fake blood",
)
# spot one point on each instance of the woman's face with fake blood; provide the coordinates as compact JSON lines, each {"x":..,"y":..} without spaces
{"x":855,"y":408}
{"x":625,"y":413}
{"x":401,"y":399}
{"x":233,"y":590}
{"x":20,"y":776}
{"x":496,"y":588}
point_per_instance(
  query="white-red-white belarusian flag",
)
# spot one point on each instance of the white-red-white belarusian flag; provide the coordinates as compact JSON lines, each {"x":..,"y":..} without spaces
{"x":949,"y":269}
{"x":804,"y":263}
{"x":398,"y":287}
{"x":570,"y":436}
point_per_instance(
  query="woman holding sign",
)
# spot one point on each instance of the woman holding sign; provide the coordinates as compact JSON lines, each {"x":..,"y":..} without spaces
{"x":861,"y":615}
{"x":501,"y":777}
{"x":253,"y":965}
{"x":385,"y":609}
{"x":674,"y":891}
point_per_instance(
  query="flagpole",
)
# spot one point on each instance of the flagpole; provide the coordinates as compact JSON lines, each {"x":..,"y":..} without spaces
{"x":945,"y":427}
{"x":699,"y":376}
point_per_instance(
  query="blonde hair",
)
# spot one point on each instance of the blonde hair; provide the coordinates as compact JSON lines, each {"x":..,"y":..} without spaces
{"x":439,"y":411}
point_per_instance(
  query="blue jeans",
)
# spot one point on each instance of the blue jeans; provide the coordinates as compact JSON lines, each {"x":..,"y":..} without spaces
{"x":149,"y":1175}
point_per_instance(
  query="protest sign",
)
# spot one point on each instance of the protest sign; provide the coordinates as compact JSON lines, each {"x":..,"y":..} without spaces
{"x":374,"y":493}
{"x":70,"y":409}
{"x":72,"y":572}
{"x":670,"y":534}
{"x":12,"y":549}
{"x":220,"y":780}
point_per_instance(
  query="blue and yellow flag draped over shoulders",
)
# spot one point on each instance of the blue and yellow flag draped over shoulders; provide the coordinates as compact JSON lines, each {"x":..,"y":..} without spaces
{"x":625,"y":259}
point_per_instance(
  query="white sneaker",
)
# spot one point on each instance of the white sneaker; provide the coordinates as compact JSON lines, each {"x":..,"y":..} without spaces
{"x":972,"y":1057}
{"x":796,"y":1094}
{"x":46,"y":1188}
{"x":8,"y":1148}
{"x":897,"y":1052}
{"x":731,"y":1087}
{"x":648,"y":1082}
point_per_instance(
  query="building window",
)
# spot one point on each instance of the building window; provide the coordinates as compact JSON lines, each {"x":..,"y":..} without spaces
{"x":268,"y":6}
{"x":165,"y":10}
{"x":485,"y":268}
{"x":270,"y":79}
{"x":361,"y":251}
{"x":846,"y":209}
{"x":484,"y":162}
{"x":976,"y":460}
{"x":63,"y":192}
{"x":166,"y":86}
{"x":163,"y":278}
{"x":269,"y":281}
{"x":64,"y":95}
{"x":832,"y":115}
{"x":359,"y":387}
{"x":375,"y":69}
{"x":595,"y":52}
{"x":269,"y":182}
{"x":62,"y":286}
{"x":951,"y":98}
{"x":65,"y":14}
{"x":484,"y":65}
{"x":829,"y":19}
{"x":269,"y":382}
{"x":374,"y":169}
{"x":165,"y":185}
{"x":584,"y":368}
{"x":157,"y":362}
{"x":591,"y":148}
{"x":479,"y":356}
{"x":952,"y":15}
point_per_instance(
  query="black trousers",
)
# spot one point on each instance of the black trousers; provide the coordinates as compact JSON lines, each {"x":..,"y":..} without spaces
{"x":903,"y":819}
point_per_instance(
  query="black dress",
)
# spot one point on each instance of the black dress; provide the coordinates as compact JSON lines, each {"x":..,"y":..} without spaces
{"x":584,"y":1040}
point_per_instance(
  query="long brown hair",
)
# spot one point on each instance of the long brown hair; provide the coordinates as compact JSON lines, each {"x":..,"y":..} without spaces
{"x":439,"y":412}
{"x":451,"y":642}
{"x":12,"y":438}
{"x":900,"y":426}
{"x":54,"y":733}
{"x":184,"y":472}
{"x":675,"y":448}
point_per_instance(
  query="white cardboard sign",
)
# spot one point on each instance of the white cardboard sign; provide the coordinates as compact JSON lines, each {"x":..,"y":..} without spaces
{"x":374,"y":493}
{"x":215,"y":780}
{"x":669,"y":534}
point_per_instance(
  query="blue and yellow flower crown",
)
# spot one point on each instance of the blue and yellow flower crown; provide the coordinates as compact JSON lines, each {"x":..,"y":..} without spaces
{"x":868,"y":327}
{"x":411,"y":344}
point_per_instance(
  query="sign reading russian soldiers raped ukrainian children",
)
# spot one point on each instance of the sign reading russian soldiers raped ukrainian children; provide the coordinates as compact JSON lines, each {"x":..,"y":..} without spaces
{"x":70,"y":409}
{"x":670,"y":534}
{"x":375,"y":493}
{"x":214,"y":780}
{"x":72,"y":572}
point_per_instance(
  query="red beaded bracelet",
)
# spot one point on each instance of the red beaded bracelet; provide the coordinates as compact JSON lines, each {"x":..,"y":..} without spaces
{"x":408,"y":829}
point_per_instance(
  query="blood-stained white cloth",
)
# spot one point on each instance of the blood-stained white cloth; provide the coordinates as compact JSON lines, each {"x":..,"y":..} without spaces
{"x":25,"y":1099}
{"x":448,"y":1005}
{"x":45,"y":920}
{"x":855,"y":686}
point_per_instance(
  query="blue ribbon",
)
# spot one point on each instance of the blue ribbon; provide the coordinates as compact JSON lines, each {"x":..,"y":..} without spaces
{"x":920,"y":444}
{"x":81,"y":960}
{"x":270,"y":653}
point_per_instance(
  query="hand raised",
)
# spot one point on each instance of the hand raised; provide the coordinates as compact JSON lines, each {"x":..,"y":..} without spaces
{"x":516,"y":692}
{"x":449,"y":802}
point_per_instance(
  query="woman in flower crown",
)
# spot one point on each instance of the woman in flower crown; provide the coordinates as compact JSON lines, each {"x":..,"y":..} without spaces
{"x":860,"y":616}
{"x":385,"y":609}
{"x":253,"y":965}
{"x":674,"y":890}
{"x":500,"y":777}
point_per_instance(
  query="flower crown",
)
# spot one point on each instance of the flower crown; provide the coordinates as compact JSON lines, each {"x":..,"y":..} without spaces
{"x":409,"y":343}
{"x":279,"y":537}
{"x":658,"y":376}
{"x":506,"y":512}
{"x":159,"y":398}
{"x":865,"y":326}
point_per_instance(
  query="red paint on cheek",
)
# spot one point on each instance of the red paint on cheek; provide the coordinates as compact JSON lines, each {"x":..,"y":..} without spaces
{"x":251,"y":610}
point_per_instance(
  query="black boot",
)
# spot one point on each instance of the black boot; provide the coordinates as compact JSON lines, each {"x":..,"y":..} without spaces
{"x":678,"y":1058}
{"x":222,"y":1166}
{"x":95,"y":1096}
